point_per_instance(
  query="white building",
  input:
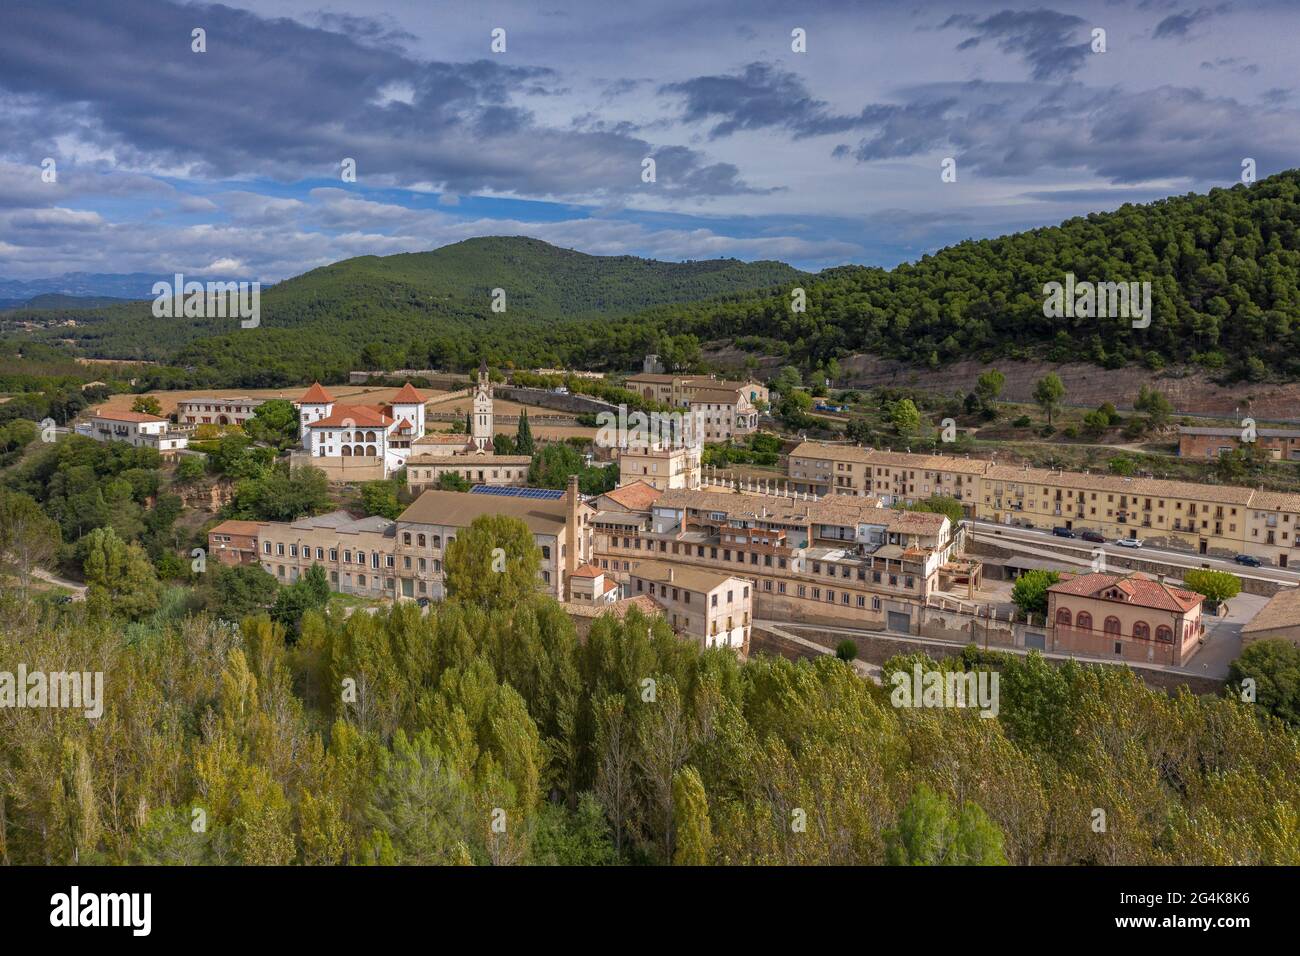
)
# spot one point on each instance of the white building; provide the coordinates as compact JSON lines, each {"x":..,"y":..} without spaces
{"x":135,"y":428}
{"x":382,"y":432}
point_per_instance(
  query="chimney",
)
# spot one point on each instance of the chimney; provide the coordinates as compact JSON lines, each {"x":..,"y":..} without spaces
{"x":572,"y":533}
{"x":1160,"y":579}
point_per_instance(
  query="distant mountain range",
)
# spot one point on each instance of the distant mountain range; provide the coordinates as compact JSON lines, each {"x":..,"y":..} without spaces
{"x":110,"y":285}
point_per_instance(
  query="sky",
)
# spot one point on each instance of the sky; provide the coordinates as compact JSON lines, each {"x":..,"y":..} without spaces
{"x":122,"y":149}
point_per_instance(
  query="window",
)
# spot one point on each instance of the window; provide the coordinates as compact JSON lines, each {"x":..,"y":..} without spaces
{"x":1084,"y":621}
{"x":1141,"y":631}
{"x":1063,"y":616}
{"x":1112,"y":625}
{"x":266,"y":547}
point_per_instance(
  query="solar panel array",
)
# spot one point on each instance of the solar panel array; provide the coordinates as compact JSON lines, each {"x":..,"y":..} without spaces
{"x":506,"y":491}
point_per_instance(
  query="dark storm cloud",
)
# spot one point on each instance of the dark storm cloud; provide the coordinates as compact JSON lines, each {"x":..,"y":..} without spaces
{"x":1177,"y":26}
{"x":761,"y":96}
{"x":281,"y":99}
{"x":1054,"y":45}
{"x":1017,"y":130}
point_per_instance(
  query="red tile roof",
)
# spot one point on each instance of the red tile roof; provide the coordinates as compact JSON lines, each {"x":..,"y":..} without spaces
{"x":1138,"y":589}
{"x":587,"y":571}
{"x":316,"y":395}
{"x":405,"y":426}
{"x":248,"y":528}
{"x":635,"y":496}
{"x":356,"y":416}
{"x":407,"y":395}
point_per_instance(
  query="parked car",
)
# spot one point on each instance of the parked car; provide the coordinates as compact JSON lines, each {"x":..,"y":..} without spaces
{"x":1248,"y":559}
{"x":1063,"y":533}
{"x":1094,"y":536}
{"x":1129,"y":542}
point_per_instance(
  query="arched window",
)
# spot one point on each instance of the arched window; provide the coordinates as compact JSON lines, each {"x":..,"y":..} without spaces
{"x":370,"y":450}
{"x":1112,"y":625}
{"x":1164,"y":634}
{"x":437,"y":541}
{"x":347,"y":451}
{"x":419,"y":539}
{"x":370,"y":436}
{"x":1084,"y":621}
{"x":1141,"y":631}
{"x":1063,"y":616}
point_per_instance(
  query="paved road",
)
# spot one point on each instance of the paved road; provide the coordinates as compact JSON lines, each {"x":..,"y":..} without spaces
{"x":1203,"y":664}
{"x":1002,"y":534}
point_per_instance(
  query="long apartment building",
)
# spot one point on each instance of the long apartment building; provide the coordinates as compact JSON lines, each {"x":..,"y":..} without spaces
{"x":1220,"y":520}
{"x":830,"y":559}
{"x":404,"y":558}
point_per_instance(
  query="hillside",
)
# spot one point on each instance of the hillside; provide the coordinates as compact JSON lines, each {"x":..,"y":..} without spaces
{"x":325,"y":317}
{"x":1224,"y":270}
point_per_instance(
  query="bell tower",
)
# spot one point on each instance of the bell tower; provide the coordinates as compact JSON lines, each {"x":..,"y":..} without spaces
{"x":481,"y":423}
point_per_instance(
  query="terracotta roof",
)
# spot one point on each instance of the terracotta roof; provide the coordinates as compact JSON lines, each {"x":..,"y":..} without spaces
{"x":458,"y":510}
{"x":1138,"y":589}
{"x":717,"y":396}
{"x":316,"y":395}
{"x":634,"y":496}
{"x":1282,"y":610}
{"x":353,"y":416}
{"x":684,"y":576}
{"x":587,"y":571}
{"x":248,"y":528}
{"x":407,"y":395}
{"x":405,"y":426}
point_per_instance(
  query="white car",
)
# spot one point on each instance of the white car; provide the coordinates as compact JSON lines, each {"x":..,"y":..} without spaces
{"x":1129,"y":542}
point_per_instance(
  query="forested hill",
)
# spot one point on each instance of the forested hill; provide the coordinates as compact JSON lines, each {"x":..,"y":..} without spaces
{"x":333,"y":312}
{"x":1224,"y":270}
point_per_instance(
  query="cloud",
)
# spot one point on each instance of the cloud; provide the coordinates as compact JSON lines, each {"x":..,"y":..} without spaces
{"x":1178,"y":26}
{"x":1050,"y":43}
{"x":758,"y":97}
{"x":1016,"y":130}
{"x":284,"y":100}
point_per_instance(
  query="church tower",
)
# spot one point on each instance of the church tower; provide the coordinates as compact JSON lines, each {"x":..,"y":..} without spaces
{"x":482,"y":414}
